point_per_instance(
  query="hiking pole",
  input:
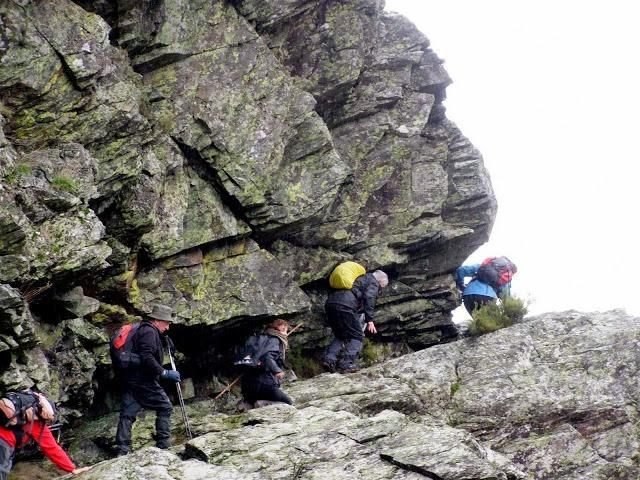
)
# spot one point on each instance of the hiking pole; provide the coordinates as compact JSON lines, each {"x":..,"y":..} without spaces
{"x":228,"y":387}
{"x":187,"y":426}
{"x":295,"y":328}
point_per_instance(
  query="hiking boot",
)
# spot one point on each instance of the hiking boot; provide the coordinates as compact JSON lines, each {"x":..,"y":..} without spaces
{"x":244,"y":406}
{"x":329,"y":366}
{"x":117,"y":452}
{"x":265,"y":403}
{"x":348,"y":370}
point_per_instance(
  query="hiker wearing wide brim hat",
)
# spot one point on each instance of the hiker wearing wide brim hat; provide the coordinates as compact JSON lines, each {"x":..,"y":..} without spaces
{"x":350,"y":314}
{"x":140,"y":383}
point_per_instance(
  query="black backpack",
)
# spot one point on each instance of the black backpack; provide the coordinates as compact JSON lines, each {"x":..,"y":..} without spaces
{"x":121,"y":345}
{"x":496,"y":271}
{"x":249,"y":356}
{"x":20,"y":408}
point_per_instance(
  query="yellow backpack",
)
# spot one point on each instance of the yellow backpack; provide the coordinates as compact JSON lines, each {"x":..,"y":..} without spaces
{"x":345,"y":274}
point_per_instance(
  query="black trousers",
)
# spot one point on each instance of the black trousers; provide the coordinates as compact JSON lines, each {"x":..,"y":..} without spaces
{"x":255,"y":387}
{"x":6,"y":459}
{"x":135,"y":397}
{"x":473,"y":302}
{"x":346,"y":324}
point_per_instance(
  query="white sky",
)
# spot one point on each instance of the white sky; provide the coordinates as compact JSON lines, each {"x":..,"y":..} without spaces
{"x":549,"y":91}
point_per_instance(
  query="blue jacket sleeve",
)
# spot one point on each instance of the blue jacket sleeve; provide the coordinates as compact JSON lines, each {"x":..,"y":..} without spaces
{"x":465,"y":271}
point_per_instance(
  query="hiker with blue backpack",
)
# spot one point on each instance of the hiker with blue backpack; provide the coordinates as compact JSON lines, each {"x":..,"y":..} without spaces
{"x":490,"y":280}
{"x":262,"y":363}
{"x":349,"y":308}
{"x":140,"y":373}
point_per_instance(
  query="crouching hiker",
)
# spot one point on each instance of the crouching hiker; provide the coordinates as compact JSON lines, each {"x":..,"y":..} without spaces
{"x":490,"y":280}
{"x":139,"y":365}
{"x":264,"y":360}
{"x":23,"y":418}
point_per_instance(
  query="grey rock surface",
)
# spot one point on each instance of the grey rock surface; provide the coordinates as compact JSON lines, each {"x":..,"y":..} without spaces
{"x":552,"y":397}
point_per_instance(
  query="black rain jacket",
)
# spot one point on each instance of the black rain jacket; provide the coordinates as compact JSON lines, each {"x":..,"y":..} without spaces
{"x":147,"y":343}
{"x":360,"y":299}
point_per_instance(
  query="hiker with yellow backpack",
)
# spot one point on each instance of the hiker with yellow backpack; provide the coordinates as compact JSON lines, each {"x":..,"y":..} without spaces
{"x":349,"y":308}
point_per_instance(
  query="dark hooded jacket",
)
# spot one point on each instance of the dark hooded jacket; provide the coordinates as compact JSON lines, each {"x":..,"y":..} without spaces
{"x":360,"y":299}
{"x":147,"y":343}
{"x":272,"y":356}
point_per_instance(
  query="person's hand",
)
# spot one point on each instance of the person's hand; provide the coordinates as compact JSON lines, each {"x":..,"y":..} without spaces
{"x":371,"y":328}
{"x":171,"y":375}
{"x":279,"y":375}
{"x":80,"y":470}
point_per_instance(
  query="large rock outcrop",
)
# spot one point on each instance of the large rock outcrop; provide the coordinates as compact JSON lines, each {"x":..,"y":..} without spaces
{"x":221,"y":157}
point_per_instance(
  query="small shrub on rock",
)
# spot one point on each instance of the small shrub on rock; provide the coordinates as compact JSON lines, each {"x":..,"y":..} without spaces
{"x":494,"y":316}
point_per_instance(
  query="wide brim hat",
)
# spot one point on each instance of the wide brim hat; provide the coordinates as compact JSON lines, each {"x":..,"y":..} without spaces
{"x":162,"y":312}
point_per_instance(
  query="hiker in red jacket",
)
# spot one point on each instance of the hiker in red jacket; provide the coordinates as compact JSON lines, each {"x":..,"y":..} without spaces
{"x":12,"y":438}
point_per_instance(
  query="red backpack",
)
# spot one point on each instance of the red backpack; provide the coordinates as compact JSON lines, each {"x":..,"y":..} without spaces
{"x":496,"y":271}
{"x":121,"y":345}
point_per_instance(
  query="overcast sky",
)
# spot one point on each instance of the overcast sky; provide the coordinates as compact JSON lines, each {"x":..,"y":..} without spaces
{"x":549,"y":91}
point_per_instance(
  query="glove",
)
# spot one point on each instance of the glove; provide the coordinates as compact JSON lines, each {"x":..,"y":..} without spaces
{"x":171,"y":375}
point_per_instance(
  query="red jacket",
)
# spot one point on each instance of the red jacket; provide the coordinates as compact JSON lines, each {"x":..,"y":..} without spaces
{"x":42,"y":435}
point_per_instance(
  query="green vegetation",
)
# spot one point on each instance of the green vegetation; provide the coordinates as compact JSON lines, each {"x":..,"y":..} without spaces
{"x":454,"y":388}
{"x":65,"y":184}
{"x":303,"y":364}
{"x":374,"y":352}
{"x":494,"y":316}
{"x":14,"y":174}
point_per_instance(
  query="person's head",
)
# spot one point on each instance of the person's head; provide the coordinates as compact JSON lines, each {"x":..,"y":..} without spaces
{"x":381,"y":277}
{"x":162,"y":317}
{"x":281,"y":325}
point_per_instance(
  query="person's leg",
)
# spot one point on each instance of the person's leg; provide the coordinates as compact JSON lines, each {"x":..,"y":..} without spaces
{"x":163,"y":429}
{"x":469,"y":303}
{"x":153,"y":397}
{"x":350,"y":356}
{"x":281,"y":396}
{"x":274,"y":394}
{"x":249,"y":387}
{"x":473,"y":302}
{"x":129,"y":408}
{"x":6,"y":459}
{"x":347,"y":325}
{"x":353,"y":335}
{"x":331,"y":353}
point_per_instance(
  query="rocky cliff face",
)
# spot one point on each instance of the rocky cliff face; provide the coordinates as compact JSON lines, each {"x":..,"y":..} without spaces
{"x":220,"y":157}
